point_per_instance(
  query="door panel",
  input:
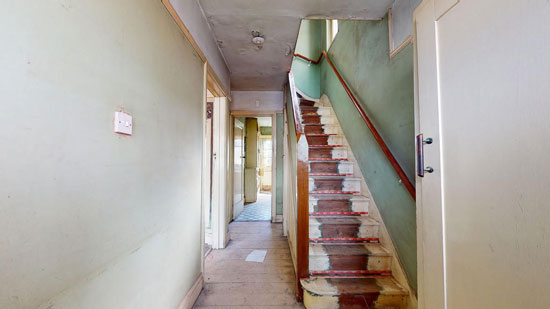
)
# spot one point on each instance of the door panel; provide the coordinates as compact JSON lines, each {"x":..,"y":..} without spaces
{"x":429,"y":202}
{"x":238,"y":169}
{"x":482,"y":69}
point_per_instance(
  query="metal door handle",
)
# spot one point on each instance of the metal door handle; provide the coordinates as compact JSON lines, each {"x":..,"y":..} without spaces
{"x":420,"y":141}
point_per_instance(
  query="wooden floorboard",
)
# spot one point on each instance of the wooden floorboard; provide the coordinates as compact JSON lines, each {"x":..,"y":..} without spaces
{"x":231,"y":282}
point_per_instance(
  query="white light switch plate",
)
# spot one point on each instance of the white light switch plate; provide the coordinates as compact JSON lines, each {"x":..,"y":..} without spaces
{"x":123,"y":123}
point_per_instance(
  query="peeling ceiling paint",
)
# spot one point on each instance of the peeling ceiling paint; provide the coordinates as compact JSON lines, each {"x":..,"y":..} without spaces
{"x":232,"y":22}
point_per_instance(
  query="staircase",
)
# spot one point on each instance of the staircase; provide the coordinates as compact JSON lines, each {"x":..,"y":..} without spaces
{"x":348,"y":267}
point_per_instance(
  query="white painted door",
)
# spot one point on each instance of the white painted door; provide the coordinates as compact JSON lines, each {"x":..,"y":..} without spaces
{"x":482,"y":71}
{"x":220,"y":163}
{"x":429,"y":202}
{"x":238,"y":168}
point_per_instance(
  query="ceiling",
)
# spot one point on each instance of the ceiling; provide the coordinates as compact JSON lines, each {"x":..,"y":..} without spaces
{"x":232,"y":22}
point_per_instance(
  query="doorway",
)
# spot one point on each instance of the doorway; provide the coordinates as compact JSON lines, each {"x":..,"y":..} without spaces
{"x":214,"y":165}
{"x":209,"y":143}
{"x":253,"y":168}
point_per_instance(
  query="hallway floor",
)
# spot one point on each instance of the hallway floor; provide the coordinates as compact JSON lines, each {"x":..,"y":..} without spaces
{"x":257,"y":211}
{"x":231,"y":281}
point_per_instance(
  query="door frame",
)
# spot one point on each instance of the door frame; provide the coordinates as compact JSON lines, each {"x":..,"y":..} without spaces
{"x":218,"y":180}
{"x":273,"y":115}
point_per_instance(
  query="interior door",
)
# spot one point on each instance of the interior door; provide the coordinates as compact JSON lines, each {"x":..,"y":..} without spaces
{"x":238,"y":168}
{"x":482,"y":71}
{"x":429,"y":209}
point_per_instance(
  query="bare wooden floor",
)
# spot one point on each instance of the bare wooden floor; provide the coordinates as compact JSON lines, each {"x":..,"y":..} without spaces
{"x":231,"y":282}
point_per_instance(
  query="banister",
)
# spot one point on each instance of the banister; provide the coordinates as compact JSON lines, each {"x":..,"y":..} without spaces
{"x":302,"y":193}
{"x":310,"y":60}
{"x":295,"y":106}
{"x":406,"y":182}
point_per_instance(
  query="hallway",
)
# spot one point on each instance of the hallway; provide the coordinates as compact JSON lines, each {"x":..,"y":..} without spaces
{"x":257,"y":211}
{"x":231,"y":281}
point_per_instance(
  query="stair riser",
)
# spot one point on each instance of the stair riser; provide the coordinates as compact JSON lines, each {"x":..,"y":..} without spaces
{"x":311,"y":119}
{"x":332,"y":129}
{"x":314,"y":301}
{"x":324,"y":129}
{"x":325,"y":140}
{"x":343,"y":231}
{"x":334,"y":184}
{"x":331,"y":120}
{"x":335,"y":263}
{"x":314,"y":129}
{"x":321,"y":111}
{"x":331,"y":167}
{"x":304,"y":102}
{"x":328,"y":153}
{"x":316,"y":119}
{"x":338,"y":205}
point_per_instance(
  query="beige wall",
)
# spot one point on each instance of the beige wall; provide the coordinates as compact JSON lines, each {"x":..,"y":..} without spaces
{"x":193,"y":17}
{"x":246,"y":101}
{"x":88,"y":218}
{"x":493,"y":73}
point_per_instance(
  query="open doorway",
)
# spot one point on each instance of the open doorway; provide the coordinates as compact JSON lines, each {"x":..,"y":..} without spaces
{"x":214,"y":166}
{"x":253,"y":168}
{"x":209,"y":143}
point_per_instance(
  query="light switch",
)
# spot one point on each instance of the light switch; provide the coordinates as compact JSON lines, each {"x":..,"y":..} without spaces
{"x":123,"y":123}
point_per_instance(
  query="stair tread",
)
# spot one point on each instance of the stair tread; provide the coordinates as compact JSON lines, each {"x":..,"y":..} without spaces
{"x":346,"y":177}
{"x":370,"y":249}
{"x":334,"y":192}
{"x":315,"y":174}
{"x":310,"y":107}
{"x":341,"y":220}
{"x":353,"y":286}
{"x":323,"y":134}
{"x":327,"y":146}
{"x":321,"y":124}
{"x":339,"y":197}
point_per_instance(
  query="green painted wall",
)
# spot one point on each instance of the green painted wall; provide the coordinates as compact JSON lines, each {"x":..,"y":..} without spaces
{"x":265,"y":130}
{"x":279,"y":165}
{"x":385,"y":89}
{"x":90,"y":218}
{"x":309,"y":44}
{"x":291,"y":129}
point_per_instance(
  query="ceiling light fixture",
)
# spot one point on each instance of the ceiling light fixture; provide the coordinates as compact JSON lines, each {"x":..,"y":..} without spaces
{"x":257,"y":39}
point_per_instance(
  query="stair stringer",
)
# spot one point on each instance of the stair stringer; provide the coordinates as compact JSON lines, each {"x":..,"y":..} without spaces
{"x":397,"y":269}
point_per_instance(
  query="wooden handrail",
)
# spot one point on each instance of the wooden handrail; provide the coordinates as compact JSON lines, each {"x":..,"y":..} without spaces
{"x":295,"y":106}
{"x":406,"y":182}
{"x":310,"y":60}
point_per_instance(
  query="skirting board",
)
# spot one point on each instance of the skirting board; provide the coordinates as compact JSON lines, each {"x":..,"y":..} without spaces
{"x":278,"y":219}
{"x":191,"y":296}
